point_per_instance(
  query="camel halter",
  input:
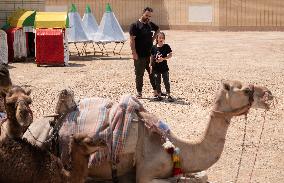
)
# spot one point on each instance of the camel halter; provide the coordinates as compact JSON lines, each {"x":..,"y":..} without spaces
{"x":16,"y":106}
{"x":239,"y":111}
{"x":56,"y":124}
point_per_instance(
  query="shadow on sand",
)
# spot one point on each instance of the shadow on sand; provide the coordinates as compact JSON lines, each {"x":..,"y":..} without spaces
{"x":97,"y":57}
{"x":177,"y":100}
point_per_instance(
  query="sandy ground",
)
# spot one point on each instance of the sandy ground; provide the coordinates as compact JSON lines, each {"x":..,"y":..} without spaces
{"x":200,"y":61}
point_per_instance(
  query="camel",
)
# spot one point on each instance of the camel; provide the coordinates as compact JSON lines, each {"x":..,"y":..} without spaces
{"x":5,"y":80}
{"x":5,"y":85}
{"x":149,"y":159}
{"x":22,"y":162}
{"x":19,"y":116}
{"x":65,"y":104}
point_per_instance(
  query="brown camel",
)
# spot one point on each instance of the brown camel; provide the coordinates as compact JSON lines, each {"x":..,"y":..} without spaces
{"x":65,"y":103}
{"x":5,"y":84}
{"x":19,"y":115}
{"x":22,"y":162}
{"x":5,"y":80}
{"x":144,"y":153}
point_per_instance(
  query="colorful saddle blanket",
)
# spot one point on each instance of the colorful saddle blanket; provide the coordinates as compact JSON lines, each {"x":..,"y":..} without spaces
{"x":100,"y":118}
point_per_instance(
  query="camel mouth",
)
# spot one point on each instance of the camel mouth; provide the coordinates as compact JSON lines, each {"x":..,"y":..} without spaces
{"x":265,"y":101}
{"x":100,"y":143}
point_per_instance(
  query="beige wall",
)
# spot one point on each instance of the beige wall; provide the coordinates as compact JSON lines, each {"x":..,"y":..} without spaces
{"x":167,"y":13}
{"x":174,"y":14}
{"x":9,"y":6}
{"x":252,"y":14}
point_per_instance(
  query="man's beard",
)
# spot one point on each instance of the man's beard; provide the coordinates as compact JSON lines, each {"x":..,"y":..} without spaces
{"x":146,"y":20}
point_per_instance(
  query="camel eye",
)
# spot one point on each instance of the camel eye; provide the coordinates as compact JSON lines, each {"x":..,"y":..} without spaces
{"x":247,"y":91}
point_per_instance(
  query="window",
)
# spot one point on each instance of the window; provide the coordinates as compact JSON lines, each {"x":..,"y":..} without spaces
{"x":200,"y":13}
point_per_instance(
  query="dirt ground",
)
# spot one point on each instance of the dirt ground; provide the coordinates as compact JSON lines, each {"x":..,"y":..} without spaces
{"x":200,"y":61}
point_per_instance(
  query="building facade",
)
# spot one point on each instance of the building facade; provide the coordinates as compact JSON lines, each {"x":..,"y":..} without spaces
{"x":9,"y":6}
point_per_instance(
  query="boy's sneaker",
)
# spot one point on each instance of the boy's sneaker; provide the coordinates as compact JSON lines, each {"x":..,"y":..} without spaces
{"x":163,"y":94}
{"x":158,"y":98}
{"x":170,"y":99}
{"x":139,"y":95}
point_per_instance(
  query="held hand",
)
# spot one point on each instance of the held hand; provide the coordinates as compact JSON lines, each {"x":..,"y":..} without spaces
{"x":134,"y":56}
{"x":160,"y":59}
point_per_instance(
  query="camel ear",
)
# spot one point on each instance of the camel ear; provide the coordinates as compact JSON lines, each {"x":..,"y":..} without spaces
{"x":226,"y":86}
{"x":80,"y":138}
{"x":10,"y":100}
{"x":28,"y":91}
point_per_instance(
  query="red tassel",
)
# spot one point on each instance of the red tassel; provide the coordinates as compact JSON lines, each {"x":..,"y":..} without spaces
{"x":177,"y":171}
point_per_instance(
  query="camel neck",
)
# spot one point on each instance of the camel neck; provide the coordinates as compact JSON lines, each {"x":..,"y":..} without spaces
{"x":200,"y":155}
{"x":79,"y":163}
{"x":14,"y":130}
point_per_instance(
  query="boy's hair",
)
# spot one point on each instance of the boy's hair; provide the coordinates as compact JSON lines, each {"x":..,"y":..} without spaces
{"x":160,"y":33}
{"x":147,"y":9}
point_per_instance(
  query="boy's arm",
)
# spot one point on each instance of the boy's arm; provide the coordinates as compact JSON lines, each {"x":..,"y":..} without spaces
{"x":168,"y":56}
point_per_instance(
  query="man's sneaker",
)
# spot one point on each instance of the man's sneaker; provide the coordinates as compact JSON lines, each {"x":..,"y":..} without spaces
{"x":170,"y":99}
{"x":139,"y":95}
{"x":158,"y":98}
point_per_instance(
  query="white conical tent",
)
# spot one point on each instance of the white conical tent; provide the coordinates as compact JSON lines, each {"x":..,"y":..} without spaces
{"x":90,"y":22}
{"x":76,"y":32}
{"x":109,"y":29}
{"x":3,"y":48}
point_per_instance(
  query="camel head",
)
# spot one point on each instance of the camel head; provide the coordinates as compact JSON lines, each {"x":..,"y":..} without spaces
{"x":237,"y":99}
{"x":17,"y":106}
{"x":85,"y":144}
{"x":5,"y":80}
{"x":65,"y":102}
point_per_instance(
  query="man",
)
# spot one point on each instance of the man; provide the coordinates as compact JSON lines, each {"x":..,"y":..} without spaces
{"x":141,"y":42}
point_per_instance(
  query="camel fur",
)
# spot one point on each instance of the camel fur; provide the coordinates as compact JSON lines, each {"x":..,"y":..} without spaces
{"x":5,"y":85}
{"x":22,"y":162}
{"x":5,"y":80}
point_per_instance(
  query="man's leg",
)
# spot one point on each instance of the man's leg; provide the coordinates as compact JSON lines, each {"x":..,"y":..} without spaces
{"x":151,"y":75}
{"x":139,"y":65}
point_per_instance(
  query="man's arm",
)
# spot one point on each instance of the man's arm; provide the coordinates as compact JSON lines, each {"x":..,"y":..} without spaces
{"x":133,"y":48}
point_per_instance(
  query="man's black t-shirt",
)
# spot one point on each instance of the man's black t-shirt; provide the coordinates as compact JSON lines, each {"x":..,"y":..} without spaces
{"x":163,"y":51}
{"x":143,"y":39}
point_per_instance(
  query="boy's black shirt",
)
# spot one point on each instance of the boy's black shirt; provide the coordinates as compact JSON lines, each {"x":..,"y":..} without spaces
{"x":164,"y":51}
{"x":143,"y":40}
